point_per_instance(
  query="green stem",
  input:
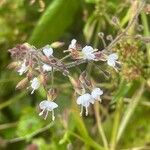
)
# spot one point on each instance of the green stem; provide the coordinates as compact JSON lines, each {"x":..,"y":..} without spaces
{"x":31,"y":135}
{"x":100,"y":127}
{"x":8,"y":125}
{"x":116,"y":124}
{"x":146,"y":32}
{"x":52,"y":77}
{"x":96,"y":34}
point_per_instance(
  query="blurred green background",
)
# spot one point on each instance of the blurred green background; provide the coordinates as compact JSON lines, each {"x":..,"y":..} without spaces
{"x":123,"y":116}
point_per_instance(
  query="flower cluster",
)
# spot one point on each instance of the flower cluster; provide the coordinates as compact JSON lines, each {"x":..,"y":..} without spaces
{"x":90,"y":54}
{"x":38,"y":64}
{"x":85,"y":99}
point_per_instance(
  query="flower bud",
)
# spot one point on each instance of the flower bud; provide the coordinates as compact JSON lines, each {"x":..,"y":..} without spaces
{"x":109,"y":37}
{"x":147,"y":9}
{"x":101,"y":34}
{"x":43,"y":79}
{"x":84,"y":79}
{"x":76,"y":85}
{"x":22,"y":84}
{"x":12,"y":65}
{"x":57,"y":44}
{"x":115,"y":21}
{"x":52,"y":94}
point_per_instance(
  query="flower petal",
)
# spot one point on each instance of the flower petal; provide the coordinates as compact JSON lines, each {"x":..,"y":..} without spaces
{"x":111,"y":62}
{"x":88,"y":49}
{"x":43,"y":104}
{"x":113,"y":56}
{"x":46,"y":67}
{"x":73,"y":44}
{"x":48,"y":51}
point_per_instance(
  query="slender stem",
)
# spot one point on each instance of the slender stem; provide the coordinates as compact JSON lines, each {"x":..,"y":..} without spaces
{"x":96,"y":34}
{"x":52,"y":77}
{"x":31,"y":135}
{"x":146,"y":32}
{"x":75,"y":63}
{"x":116,"y":124}
{"x":67,"y":56}
{"x":99,"y":124}
{"x":8,"y":125}
{"x":127,"y":28}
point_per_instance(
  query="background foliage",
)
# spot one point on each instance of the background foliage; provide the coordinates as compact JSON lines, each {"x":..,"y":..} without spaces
{"x":125,"y":109}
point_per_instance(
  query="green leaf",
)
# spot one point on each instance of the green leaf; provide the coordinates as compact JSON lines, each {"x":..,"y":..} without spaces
{"x":29,"y":123}
{"x":90,"y":27}
{"x":83,"y":131}
{"x":122,"y":91}
{"x":54,"y":22}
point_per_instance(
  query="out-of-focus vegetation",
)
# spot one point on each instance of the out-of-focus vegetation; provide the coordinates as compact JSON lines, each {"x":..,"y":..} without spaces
{"x":122,"y":121}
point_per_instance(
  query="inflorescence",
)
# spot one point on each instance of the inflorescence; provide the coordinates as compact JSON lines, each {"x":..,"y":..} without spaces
{"x":37,"y":64}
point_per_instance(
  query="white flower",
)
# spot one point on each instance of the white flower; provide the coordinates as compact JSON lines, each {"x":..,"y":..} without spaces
{"x":73,"y":44}
{"x":47,"y":106}
{"x":96,"y":93}
{"x":46,"y":67}
{"x":34,"y":84}
{"x":87,"y":52}
{"x":48,"y":51}
{"x":111,"y":59}
{"x":23,"y":68}
{"x":84,"y":100}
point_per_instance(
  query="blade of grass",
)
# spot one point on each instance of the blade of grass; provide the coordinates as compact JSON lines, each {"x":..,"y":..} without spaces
{"x":83,"y":132}
{"x":130,"y":110}
{"x":122,"y":91}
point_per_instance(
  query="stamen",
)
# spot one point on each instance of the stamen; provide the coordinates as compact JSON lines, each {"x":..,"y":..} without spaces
{"x":32,"y":91}
{"x":115,"y":69}
{"x":100,"y":100}
{"x":41,"y":113}
{"x":66,"y":51}
{"x":53,"y":117}
{"x":86,"y":113}
{"x":46,"y":115}
{"x":81,"y":111}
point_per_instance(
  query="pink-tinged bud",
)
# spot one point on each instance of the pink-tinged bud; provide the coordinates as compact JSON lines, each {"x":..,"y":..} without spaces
{"x":75,"y":54}
{"x":30,"y":74}
{"x":22,"y":84}
{"x":57,"y":44}
{"x":52,"y":94}
{"x":84,"y":79}
{"x":100,"y":56}
{"x":13,"y":65}
{"x":147,"y":9}
{"x":43,"y":79}
{"x":76,"y":85}
{"x":20,"y":51}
